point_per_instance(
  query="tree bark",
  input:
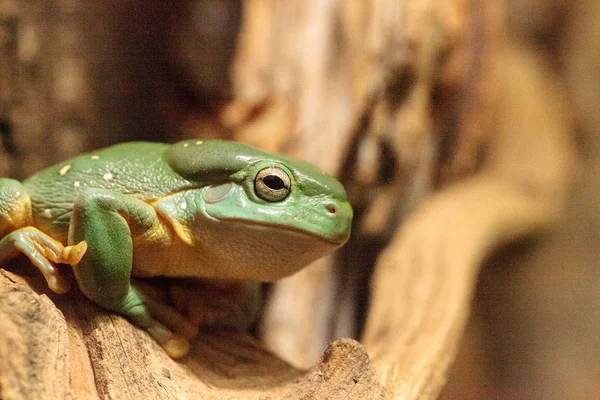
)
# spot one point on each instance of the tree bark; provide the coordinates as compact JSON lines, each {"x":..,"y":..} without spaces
{"x":65,"y":347}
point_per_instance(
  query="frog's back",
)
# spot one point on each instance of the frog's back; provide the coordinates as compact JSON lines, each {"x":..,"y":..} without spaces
{"x":136,"y":169}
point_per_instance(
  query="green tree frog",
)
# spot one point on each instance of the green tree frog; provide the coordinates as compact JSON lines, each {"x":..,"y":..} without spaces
{"x":216,"y":210}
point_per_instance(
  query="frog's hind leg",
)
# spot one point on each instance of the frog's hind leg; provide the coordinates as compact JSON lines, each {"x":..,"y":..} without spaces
{"x":44,"y":252}
{"x":18,"y":237}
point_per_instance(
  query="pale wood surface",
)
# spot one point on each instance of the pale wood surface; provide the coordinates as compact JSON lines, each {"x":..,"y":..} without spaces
{"x":61,"y":347}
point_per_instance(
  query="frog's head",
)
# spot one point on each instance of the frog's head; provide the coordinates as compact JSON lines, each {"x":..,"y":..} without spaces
{"x":268,"y":214}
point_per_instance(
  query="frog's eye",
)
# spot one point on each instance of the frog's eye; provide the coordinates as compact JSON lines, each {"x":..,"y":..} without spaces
{"x":272,"y":184}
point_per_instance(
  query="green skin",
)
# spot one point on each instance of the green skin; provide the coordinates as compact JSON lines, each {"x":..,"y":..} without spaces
{"x":193,"y":209}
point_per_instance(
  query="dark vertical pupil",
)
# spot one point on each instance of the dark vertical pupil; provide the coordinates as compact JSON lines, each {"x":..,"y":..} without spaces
{"x":274,"y":182}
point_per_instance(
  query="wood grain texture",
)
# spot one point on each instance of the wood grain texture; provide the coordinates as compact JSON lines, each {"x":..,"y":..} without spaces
{"x":63,"y":346}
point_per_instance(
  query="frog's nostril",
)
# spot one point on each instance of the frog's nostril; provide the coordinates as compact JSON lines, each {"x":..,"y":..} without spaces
{"x":331,"y":209}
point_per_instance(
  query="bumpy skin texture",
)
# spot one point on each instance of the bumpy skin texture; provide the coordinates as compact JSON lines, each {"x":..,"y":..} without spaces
{"x":216,"y":210}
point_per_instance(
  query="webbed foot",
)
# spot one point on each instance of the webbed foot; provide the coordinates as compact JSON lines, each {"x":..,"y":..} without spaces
{"x":44,"y":252}
{"x":169,"y":328}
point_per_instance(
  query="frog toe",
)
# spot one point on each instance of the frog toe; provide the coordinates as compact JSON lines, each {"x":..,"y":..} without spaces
{"x":41,"y":249}
{"x":171,"y":318}
{"x":72,"y":254}
{"x":162,"y":323}
{"x":177,"y":346}
{"x":58,"y":284}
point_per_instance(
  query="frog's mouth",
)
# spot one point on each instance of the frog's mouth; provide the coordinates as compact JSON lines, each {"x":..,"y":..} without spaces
{"x":335,"y":240}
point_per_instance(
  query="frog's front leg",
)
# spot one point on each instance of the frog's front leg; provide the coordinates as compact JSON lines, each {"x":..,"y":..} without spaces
{"x":109,"y":222}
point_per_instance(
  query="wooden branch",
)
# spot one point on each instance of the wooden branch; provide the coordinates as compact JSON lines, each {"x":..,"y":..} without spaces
{"x":63,"y":346}
{"x":424,"y":281}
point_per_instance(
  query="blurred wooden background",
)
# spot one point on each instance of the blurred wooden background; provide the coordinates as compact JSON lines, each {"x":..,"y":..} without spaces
{"x":464,"y":131}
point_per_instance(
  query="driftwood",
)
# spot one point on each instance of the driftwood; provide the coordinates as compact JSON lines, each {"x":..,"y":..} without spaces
{"x":532,"y":332}
{"x":63,"y":347}
{"x":450,"y":137}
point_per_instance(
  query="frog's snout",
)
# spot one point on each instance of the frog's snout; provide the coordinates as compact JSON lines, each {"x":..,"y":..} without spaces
{"x":341,"y":216}
{"x":331,"y":209}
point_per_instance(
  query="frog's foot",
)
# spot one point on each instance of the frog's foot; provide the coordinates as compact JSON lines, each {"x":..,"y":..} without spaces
{"x":44,"y":252}
{"x":170,"y":317}
{"x":175,"y":346}
{"x":169,"y":328}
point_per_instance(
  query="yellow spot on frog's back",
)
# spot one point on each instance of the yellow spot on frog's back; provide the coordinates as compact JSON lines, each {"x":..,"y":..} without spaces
{"x":186,"y":144}
{"x":199,"y":142}
{"x":77,"y":184}
{"x":107,"y":177}
{"x":64,"y":170}
{"x":47,"y":213}
{"x":95,"y":157}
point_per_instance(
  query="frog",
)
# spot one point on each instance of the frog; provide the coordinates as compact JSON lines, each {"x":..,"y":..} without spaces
{"x":213,"y":210}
